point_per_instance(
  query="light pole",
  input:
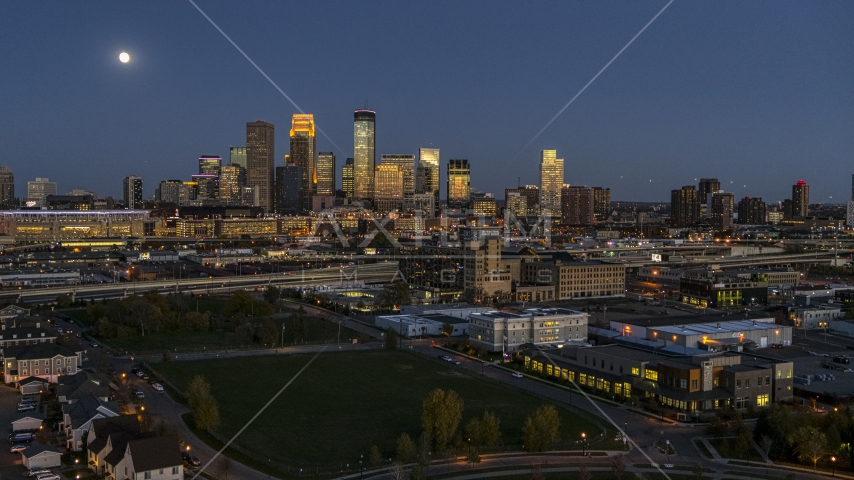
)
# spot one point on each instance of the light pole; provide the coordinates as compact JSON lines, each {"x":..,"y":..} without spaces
{"x":583,"y":444}
{"x":283,"y":334}
{"x":833,"y":464}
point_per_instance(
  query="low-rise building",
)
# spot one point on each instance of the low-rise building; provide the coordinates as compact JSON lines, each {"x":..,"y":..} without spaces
{"x":577,"y":279}
{"x":685,"y":384}
{"x":27,"y":422}
{"x":507,"y":331}
{"x":810,"y":318}
{"x":424,"y":324}
{"x":38,"y":456}
{"x":71,"y":388}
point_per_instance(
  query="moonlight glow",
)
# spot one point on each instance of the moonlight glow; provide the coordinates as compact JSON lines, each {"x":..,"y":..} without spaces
{"x":124,"y":57}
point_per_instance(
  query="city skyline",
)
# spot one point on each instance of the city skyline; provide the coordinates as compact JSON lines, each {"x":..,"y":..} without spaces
{"x":676,"y":106}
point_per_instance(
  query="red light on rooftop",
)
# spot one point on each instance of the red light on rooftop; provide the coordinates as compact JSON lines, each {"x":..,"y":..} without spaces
{"x":801,"y":182}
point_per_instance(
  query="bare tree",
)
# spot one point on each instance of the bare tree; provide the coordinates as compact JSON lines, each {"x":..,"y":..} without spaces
{"x":225,"y":465}
{"x":618,"y":467}
{"x":766,"y":442}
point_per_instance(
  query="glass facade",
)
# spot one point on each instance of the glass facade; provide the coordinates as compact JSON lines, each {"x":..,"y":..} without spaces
{"x":325,"y":173}
{"x":389,"y":183}
{"x":260,"y":161}
{"x":238,"y":156}
{"x":428,"y":159}
{"x":459,"y":183}
{"x":303,"y":151}
{"x":407,"y":164}
{"x":551,"y":181}
{"x":364,"y":153}
{"x":347,"y":178}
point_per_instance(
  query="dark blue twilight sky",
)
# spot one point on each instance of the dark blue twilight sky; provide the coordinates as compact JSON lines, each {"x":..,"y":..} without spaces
{"x":755,"y":93}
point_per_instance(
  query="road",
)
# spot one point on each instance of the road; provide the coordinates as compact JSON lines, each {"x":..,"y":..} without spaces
{"x":372,"y":273}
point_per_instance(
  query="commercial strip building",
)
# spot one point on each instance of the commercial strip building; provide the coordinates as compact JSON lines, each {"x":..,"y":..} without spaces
{"x":686,"y":384}
{"x":508,"y":331}
{"x":706,"y":332}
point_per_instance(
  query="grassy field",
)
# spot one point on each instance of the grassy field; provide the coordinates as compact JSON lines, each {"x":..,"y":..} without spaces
{"x":726,"y":448}
{"x":346,"y":402}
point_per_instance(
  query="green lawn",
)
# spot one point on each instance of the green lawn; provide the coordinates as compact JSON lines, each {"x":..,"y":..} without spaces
{"x":346,"y":402}
{"x":726,"y":448}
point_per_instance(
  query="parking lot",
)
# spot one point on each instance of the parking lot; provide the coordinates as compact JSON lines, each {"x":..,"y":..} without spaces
{"x":10,"y":463}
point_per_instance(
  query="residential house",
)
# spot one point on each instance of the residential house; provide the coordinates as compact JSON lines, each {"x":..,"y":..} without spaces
{"x":44,"y":360}
{"x":24,"y":331}
{"x":153,"y":458}
{"x":77,"y":418}
{"x":32,"y":385}
{"x":12,"y":311}
{"x":72,"y":388}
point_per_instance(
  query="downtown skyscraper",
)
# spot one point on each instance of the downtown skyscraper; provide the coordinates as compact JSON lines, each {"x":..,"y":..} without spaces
{"x":132,"y":189}
{"x":347,"y":178}
{"x":237,"y":156}
{"x":303,"y":154}
{"x":551,"y":181}
{"x":7,"y":188}
{"x":364,"y":153}
{"x":800,"y":199}
{"x":407,"y":164}
{"x":428,"y":161}
{"x":325,"y":173}
{"x":459,"y":183}
{"x":260,"y":161}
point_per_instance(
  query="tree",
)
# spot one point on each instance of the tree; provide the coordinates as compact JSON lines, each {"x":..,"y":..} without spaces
{"x":810,"y":445}
{"x":206,"y":414}
{"x":272,"y":294}
{"x":716,"y":427}
{"x":584,"y":473}
{"x":226,"y":465}
{"x":484,"y":431}
{"x":447,"y":329}
{"x":405,"y":448}
{"x":697,"y":470}
{"x":167,"y":355}
{"x":441,"y":414}
{"x":63,"y":301}
{"x":473,"y":456}
{"x":241,"y":301}
{"x":541,"y":429}
{"x":618,"y":467}
{"x":197,"y":389}
{"x":744,"y":440}
{"x":391,"y":339}
{"x":267,"y":333}
{"x":766,"y":442}
{"x":537,"y":472}
{"x":375,"y":458}
{"x":393,"y":295}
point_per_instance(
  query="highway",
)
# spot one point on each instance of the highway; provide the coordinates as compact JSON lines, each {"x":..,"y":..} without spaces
{"x":330,"y":276}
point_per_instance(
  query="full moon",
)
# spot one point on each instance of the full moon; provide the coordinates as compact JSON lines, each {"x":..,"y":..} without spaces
{"x":124,"y":57}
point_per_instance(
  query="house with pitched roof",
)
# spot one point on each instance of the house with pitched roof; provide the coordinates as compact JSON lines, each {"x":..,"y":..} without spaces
{"x":77,"y":418}
{"x":71,"y":388}
{"x":44,"y":360}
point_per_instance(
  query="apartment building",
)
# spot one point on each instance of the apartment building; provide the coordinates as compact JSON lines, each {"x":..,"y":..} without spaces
{"x":577,"y":279}
{"x":508,"y":331}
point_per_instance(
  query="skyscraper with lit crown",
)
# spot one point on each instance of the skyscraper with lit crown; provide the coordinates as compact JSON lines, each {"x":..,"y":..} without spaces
{"x":800,"y":199}
{"x":303,"y":154}
{"x":7,"y":188}
{"x":459,"y":183}
{"x":364,"y":153}
{"x":428,"y":159}
{"x":551,"y":181}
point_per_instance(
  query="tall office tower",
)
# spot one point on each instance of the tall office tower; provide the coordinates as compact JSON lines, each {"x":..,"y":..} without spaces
{"x":232,"y":179}
{"x":303,"y":154}
{"x":721,"y":210}
{"x":238,"y":156}
{"x":707,"y":187}
{"x":347,"y":178}
{"x":800,"y":199}
{"x":429,"y":159}
{"x":407,"y":163}
{"x":601,"y":202}
{"x":209,"y":165}
{"x":169,"y":191}
{"x":37,"y":191}
{"x":132,"y":186}
{"x":786,"y":206}
{"x":189,"y":193}
{"x":484,"y":205}
{"x":260,"y":160}
{"x":551,"y":181}
{"x":7,"y":188}
{"x":516,"y":203}
{"x":420,"y":178}
{"x":576,"y":206}
{"x":325,"y":173}
{"x":459,"y":183}
{"x":388,"y":188}
{"x":751,"y":211}
{"x":684,"y":206}
{"x":364,"y":153}
{"x":532,"y":198}
{"x":288,"y":187}
{"x":849,"y":214}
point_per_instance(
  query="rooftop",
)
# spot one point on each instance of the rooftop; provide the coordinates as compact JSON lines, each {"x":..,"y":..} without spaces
{"x":737,"y":326}
{"x":671,"y":320}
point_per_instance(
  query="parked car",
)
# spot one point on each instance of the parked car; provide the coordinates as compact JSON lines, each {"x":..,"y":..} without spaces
{"x":134,"y":371}
{"x":20,"y":437}
{"x":27,"y":408}
{"x":151,"y":381}
{"x":158,"y":387}
{"x":445,"y":358}
{"x":140,"y":394}
{"x":93,"y":345}
{"x":47,"y":476}
{"x":190,"y":459}
{"x":18,"y":448}
{"x":517,"y":375}
{"x":144,"y":376}
{"x":38,"y":471}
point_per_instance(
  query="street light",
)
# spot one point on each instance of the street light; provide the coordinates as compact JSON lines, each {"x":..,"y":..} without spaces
{"x":833,"y":463}
{"x":583,"y":444}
